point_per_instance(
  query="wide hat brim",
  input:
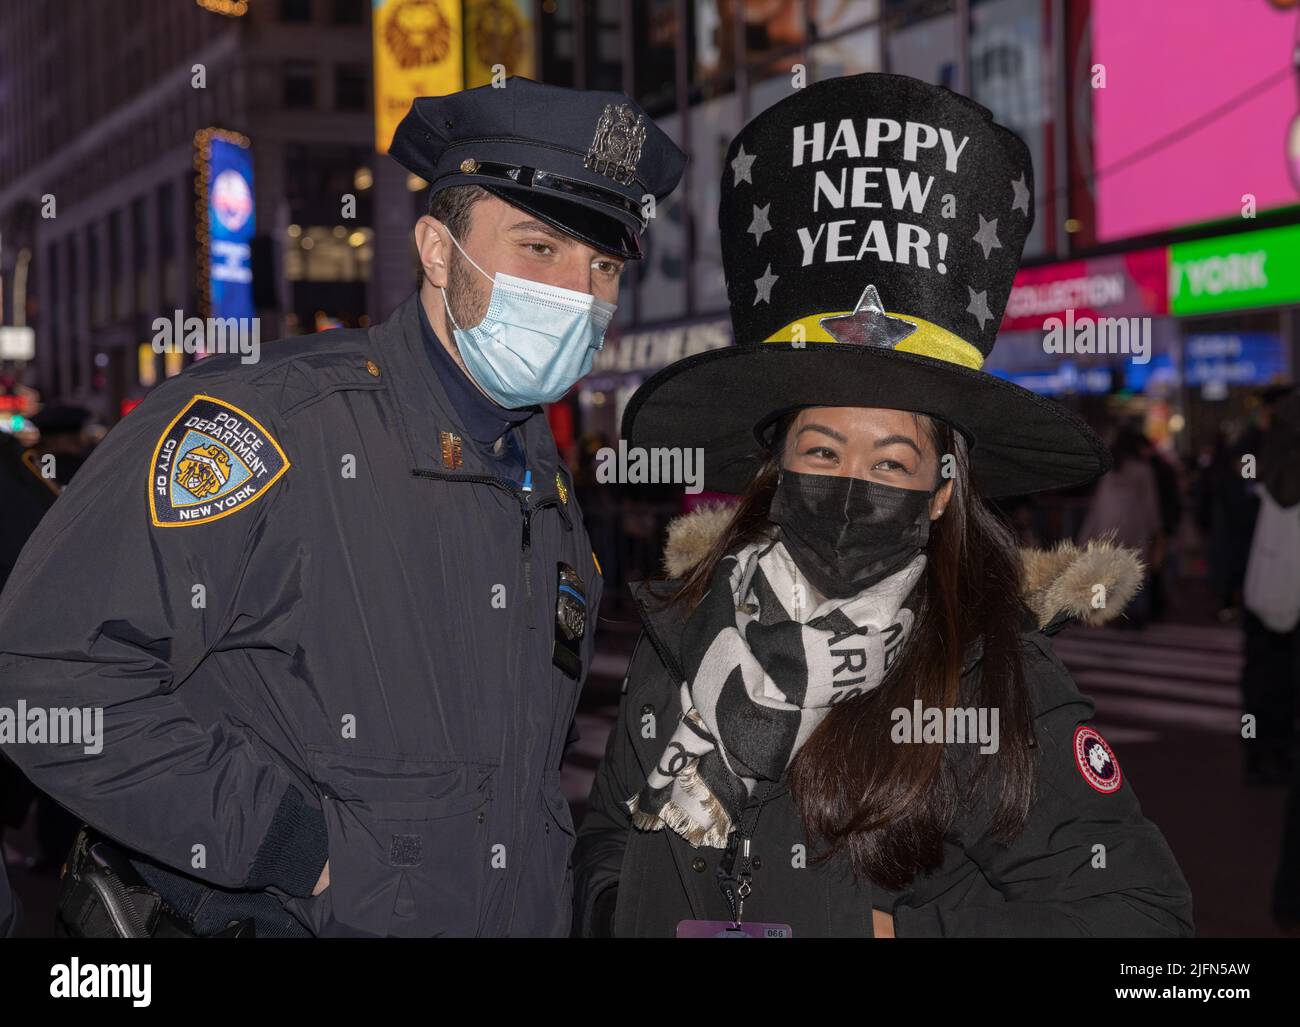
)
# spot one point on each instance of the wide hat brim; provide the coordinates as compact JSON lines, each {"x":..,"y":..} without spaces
{"x":1020,"y":442}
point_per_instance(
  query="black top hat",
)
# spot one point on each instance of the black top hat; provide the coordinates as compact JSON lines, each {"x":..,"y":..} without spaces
{"x":871,"y":228}
{"x":582,"y":160}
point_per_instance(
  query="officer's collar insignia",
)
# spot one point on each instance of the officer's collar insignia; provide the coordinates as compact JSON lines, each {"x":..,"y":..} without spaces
{"x":561,"y":488}
{"x":449,"y":442}
{"x":616,"y":148}
{"x":1096,"y":760}
{"x":212,"y":460}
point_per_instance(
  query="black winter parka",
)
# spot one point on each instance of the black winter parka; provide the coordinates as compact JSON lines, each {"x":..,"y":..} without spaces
{"x":1087,"y":863}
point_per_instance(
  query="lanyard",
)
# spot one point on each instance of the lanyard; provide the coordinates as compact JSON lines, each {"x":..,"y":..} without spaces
{"x":736,"y":879}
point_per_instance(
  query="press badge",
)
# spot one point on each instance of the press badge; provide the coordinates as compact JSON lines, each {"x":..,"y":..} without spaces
{"x":726,"y":929}
{"x":570,"y":621}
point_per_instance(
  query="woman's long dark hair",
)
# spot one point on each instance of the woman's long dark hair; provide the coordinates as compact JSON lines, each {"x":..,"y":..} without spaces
{"x":885,"y":804}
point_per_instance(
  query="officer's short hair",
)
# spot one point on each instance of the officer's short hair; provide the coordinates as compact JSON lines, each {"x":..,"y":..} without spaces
{"x":451,"y":206}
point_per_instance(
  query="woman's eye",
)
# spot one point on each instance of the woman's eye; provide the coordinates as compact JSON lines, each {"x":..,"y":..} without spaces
{"x":891,"y":465}
{"x":823,"y":452}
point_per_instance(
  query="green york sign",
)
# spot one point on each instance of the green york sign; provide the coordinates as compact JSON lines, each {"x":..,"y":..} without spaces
{"x":1251,"y":269}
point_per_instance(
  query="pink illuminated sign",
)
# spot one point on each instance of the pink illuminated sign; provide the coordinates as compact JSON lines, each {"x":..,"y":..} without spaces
{"x":1217,"y":77}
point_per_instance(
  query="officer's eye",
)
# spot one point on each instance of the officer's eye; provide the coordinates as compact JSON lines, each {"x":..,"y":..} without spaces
{"x":609,"y":268}
{"x":541,"y":249}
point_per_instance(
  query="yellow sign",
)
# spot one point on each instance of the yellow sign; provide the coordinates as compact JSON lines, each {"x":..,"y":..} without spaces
{"x":498,"y":33}
{"x":417,"y":46}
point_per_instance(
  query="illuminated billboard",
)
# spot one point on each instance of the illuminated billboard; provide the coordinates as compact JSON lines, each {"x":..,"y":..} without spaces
{"x":1196,"y":111}
{"x":227,"y":222}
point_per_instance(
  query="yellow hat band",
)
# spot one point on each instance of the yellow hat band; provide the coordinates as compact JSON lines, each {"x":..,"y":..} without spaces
{"x":929,"y":339}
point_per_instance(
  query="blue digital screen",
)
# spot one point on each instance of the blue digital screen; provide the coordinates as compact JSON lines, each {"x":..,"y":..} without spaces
{"x":231,"y":222}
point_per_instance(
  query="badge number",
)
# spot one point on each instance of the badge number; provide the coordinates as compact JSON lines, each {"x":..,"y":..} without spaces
{"x":212,"y":460}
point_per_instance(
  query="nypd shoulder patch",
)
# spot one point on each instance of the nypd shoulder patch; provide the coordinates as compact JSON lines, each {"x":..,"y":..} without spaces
{"x":1096,"y":760}
{"x":212,"y":460}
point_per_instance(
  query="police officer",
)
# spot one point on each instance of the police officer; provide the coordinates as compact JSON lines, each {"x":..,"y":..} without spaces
{"x":336,"y":607}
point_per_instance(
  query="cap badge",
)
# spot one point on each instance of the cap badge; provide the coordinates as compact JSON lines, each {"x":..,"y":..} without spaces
{"x":616,"y":148}
{"x":868,"y":324}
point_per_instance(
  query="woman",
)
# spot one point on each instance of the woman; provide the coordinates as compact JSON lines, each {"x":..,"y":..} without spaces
{"x":844,"y":715}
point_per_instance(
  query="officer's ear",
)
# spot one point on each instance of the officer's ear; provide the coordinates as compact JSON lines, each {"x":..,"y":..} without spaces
{"x":432,"y":244}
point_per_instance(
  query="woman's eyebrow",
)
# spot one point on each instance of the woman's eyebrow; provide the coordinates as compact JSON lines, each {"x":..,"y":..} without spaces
{"x":825,"y":431}
{"x":890,"y":440}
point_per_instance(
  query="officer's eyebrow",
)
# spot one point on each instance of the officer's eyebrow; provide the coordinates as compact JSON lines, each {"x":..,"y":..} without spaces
{"x":533,"y":225}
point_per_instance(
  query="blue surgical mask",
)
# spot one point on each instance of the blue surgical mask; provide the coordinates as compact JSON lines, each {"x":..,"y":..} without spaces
{"x":535,"y":341}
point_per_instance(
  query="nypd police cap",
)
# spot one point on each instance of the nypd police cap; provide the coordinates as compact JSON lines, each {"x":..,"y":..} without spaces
{"x":584,"y":161}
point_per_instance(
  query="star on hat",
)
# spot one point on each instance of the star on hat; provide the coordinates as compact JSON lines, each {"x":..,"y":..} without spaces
{"x":987,"y":236}
{"x":764,"y":286}
{"x":1021,"y":201}
{"x":760,"y":224}
{"x":741,"y":165}
{"x":868,"y":324}
{"x":979,"y":306}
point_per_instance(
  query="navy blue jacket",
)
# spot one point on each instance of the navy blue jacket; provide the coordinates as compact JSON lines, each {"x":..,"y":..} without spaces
{"x":318,"y":626}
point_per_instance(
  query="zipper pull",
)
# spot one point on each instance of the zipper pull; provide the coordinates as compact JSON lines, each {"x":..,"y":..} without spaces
{"x":524,"y":552}
{"x":526,"y":490}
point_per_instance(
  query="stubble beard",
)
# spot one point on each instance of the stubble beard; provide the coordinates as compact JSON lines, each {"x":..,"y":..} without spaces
{"x":468,"y":296}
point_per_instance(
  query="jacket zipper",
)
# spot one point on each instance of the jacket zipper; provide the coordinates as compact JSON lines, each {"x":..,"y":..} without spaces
{"x":525,"y":549}
{"x":521,"y":494}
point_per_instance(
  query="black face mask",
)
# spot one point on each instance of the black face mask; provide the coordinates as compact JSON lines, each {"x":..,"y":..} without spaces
{"x":845,"y":534}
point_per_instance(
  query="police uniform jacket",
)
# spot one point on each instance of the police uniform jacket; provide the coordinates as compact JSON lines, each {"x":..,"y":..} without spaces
{"x":319,"y":625}
{"x":1053,"y":880}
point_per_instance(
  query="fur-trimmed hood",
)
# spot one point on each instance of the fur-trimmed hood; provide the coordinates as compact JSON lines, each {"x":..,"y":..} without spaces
{"x":1059,"y":582}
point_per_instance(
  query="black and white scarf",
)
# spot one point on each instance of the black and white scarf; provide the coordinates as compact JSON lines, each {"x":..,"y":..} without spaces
{"x":766,"y":658}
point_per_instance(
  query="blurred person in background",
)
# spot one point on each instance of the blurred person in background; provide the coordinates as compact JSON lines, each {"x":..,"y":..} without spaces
{"x":1271,"y":678}
{"x":1227,"y":504}
{"x":1126,"y":506}
{"x":1272,"y":594}
{"x":31,"y":478}
{"x":68,"y":435}
{"x":1169,"y":493}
